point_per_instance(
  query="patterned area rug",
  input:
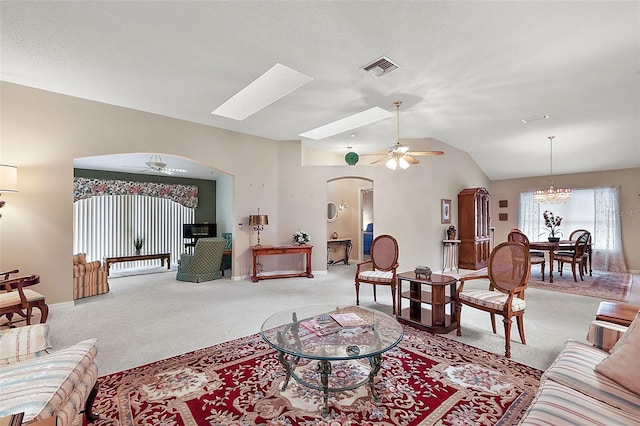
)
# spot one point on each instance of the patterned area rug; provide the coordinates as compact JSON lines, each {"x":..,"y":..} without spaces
{"x":603,"y":285}
{"x":426,"y":380}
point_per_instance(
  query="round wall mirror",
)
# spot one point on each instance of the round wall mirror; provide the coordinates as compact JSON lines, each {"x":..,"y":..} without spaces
{"x":332,"y":211}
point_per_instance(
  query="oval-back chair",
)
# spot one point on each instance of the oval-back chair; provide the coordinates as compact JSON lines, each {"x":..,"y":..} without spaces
{"x":380,"y":269}
{"x":578,"y":257}
{"x":537,"y":257}
{"x":508,"y":273}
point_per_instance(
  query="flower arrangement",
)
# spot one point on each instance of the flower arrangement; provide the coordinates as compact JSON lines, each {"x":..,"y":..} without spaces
{"x":300,"y":237}
{"x":552,"y":223}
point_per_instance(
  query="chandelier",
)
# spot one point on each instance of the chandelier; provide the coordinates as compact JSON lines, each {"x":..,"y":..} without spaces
{"x":551,"y":195}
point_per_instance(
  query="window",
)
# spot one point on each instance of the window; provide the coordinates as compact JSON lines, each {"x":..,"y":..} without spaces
{"x":595,"y":209}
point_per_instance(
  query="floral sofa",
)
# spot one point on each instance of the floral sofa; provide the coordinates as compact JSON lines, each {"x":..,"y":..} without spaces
{"x":89,"y":278}
{"x":41,"y":384}
{"x":597,"y":384}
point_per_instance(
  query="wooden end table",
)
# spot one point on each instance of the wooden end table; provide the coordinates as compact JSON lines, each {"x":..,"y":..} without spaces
{"x":427,"y":308}
{"x":617,"y":313}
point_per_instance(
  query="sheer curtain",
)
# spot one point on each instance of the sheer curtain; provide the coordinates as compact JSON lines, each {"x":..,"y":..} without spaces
{"x":607,"y":238}
{"x":529,"y":217}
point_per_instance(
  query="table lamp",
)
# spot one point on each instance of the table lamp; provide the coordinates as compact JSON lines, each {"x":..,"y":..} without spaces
{"x":258,"y":221}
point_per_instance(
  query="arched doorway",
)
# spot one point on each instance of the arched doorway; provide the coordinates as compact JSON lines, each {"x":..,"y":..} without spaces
{"x":353,"y":199}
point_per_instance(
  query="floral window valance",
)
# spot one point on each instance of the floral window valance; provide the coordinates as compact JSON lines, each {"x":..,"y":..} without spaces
{"x":187,"y":195}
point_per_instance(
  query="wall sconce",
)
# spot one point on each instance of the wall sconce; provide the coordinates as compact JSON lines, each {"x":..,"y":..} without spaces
{"x":343,"y":205}
{"x":8,"y":180}
{"x":258,"y":221}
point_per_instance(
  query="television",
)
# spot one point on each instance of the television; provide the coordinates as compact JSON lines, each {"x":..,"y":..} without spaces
{"x":199,"y":230}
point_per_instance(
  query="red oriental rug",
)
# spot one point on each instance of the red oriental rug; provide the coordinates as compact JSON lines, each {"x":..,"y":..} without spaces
{"x":426,"y":380}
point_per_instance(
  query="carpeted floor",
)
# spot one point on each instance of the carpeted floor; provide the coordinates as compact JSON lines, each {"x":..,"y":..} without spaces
{"x":427,"y":379}
{"x":602,"y":284}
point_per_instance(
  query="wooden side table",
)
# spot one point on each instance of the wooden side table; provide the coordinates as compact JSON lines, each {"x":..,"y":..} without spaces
{"x":617,"y":313}
{"x":428,"y":302}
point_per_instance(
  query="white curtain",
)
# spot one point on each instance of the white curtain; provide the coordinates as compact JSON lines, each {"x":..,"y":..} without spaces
{"x":529,"y":217}
{"x":607,"y":238}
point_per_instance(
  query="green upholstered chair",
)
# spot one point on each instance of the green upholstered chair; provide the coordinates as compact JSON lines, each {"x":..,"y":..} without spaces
{"x":204,"y":263}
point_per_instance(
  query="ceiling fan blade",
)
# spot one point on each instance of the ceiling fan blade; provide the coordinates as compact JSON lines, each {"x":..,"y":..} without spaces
{"x":425,"y":152}
{"x":379,"y":160}
{"x":410,"y":159}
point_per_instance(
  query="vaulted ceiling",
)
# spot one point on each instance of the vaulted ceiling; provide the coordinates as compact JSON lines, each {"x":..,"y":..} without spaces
{"x":468,"y":72}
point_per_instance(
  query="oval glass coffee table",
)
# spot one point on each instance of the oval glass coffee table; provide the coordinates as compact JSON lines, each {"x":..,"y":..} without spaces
{"x":329,"y":334}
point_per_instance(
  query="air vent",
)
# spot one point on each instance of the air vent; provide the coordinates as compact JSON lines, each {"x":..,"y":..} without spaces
{"x":380,"y":67}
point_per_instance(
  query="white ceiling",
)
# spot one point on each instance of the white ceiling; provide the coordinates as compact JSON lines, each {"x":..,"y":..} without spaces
{"x":468,"y":71}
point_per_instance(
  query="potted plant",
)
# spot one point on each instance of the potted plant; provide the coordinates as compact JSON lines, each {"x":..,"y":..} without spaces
{"x":138,"y":242}
{"x":552,"y":223}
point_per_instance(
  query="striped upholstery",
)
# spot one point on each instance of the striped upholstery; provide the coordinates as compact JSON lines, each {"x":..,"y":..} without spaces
{"x":604,"y":335}
{"x":13,"y":297}
{"x":574,"y":367}
{"x":559,"y":405}
{"x":89,"y":278}
{"x":57,"y":384}
{"x":377,"y":276}
{"x":491,"y":299}
{"x":23,"y":343}
{"x":204,"y":264}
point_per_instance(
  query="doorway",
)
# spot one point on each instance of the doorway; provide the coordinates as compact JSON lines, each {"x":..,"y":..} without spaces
{"x":353,"y":198}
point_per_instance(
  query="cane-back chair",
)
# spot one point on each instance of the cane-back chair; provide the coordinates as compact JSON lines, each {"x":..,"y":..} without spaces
{"x":508,"y":273}
{"x":380,"y":269}
{"x":537,"y":258}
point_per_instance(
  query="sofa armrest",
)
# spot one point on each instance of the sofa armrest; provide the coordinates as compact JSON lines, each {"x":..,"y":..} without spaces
{"x":23,"y":343}
{"x":604,"y":335}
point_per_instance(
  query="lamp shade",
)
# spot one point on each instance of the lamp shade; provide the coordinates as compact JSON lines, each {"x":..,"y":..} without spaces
{"x":8,"y":178}
{"x":258,"y":219}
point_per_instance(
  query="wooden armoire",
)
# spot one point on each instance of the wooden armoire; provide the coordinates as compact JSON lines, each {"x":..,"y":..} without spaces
{"x":473,"y":228}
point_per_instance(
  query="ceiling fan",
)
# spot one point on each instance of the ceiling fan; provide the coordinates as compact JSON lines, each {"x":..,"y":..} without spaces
{"x":400,"y":155}
{"x":156,"y":165}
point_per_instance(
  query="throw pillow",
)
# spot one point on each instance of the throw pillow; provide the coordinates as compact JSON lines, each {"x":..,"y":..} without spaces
{"x":22,"y":343}
{"x":623,"y":364}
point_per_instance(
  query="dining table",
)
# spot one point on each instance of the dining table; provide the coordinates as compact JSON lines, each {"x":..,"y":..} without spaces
{"x":552,"y":247}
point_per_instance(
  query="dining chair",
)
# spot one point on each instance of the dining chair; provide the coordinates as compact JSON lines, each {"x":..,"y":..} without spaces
{"x":537,"y":257}
{"x":508,"y":272}
{"x":573,"y":237}
{"x":380,"y":269}
{"x":578,"y":257}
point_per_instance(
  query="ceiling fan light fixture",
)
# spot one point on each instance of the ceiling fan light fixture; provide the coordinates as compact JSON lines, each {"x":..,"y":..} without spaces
{"x":392,"y":163}
{"x":404,"y":164}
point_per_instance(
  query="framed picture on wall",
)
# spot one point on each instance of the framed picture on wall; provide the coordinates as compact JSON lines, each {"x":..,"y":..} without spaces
{"x":445,"y":211}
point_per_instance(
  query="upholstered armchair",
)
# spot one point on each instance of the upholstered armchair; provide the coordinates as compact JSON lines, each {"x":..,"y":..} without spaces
{"x":204,"y":263}
{"x":89,"y":278}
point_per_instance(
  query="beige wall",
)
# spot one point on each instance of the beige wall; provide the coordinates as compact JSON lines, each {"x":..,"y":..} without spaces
{"x":627,"y":181}
{"x":42,"y":132}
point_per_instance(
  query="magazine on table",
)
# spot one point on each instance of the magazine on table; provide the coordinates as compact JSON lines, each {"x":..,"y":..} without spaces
{"x":348,"y":319}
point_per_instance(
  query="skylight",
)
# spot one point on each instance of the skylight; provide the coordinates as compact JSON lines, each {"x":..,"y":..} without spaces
{"x":351,"y":122}
{"x":274,"y":84}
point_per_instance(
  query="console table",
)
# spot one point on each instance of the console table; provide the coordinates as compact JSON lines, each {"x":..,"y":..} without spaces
{"x":336,"y":243}
{"x":134,"y":257}
{"x":281,"y":250}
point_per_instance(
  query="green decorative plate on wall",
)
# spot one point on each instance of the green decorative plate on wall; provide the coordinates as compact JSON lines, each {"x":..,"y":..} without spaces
{"x":351,"y":158}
